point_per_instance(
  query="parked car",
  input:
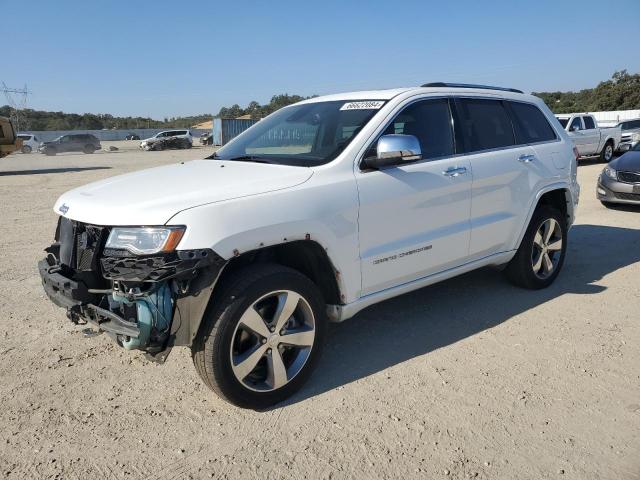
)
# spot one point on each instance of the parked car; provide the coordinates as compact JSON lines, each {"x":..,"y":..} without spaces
{"x":165,"y":143}
{"x":9,"y":141}
{"x":132,"y":136}
{"x":619,"y":182}
{"x":29,"y":142}
{"x":185,"y":134}
{"x":590,"y":139}
{"x":319,"y":210}
{"x":630,"y":134}
{"x":80,"y":142}
{"x":206,"y":138}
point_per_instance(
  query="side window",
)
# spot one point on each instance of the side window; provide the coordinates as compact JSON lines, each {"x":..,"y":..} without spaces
{"x":430,"y":121}
{"x":484,"y":124}
{"x":589,"y":124}
{"x":530,"y":124}
{"x":576,"y":123}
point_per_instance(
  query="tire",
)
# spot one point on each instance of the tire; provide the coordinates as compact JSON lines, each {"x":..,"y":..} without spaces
{"x":89,"y":149}
{"x":606,"y":204}
{"x":528,"y":268}
{"x":50,"y":152}
{"x":26,"y":149}
{"x":606,"y":155}
{"x":223,"y":338}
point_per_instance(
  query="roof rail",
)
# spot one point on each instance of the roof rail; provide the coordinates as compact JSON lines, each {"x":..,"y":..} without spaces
{"x":468,"y":85}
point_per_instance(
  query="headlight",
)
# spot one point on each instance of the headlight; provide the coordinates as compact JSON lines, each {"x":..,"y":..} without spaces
{"x":610,"y":172}
{"x":635,"y":138}
{"x":145,"y":240}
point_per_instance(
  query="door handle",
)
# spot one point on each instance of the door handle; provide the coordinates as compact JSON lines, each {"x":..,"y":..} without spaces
{"x":526,"y":158}
{"x":454,"y":171}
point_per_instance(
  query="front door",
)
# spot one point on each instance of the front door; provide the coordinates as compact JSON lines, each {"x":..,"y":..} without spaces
{"x":414,"y":218}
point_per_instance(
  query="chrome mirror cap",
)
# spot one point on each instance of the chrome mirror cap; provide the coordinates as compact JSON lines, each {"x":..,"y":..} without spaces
{"x":395,"y":150}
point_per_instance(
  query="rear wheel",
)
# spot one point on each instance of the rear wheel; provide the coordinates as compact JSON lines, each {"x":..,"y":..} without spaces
{"x":607,"y":152}
{"x":261,"y":337}
{"x":540,"y":256}
{"x":89,"y":149}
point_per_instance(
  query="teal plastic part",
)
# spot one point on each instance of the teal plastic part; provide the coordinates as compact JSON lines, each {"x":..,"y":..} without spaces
{"x":154,"y":310}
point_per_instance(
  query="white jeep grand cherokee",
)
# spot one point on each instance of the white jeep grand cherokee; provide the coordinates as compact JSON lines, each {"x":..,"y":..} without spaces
{"x":316,"y":212}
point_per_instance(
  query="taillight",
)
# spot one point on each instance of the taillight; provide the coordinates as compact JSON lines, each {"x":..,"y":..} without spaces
{"x":575,"y":153}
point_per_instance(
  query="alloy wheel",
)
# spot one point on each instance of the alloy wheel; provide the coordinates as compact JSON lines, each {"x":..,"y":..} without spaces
{"x":608,"y":152}
{"x":547,"y":248}
{"x":272,"y":341}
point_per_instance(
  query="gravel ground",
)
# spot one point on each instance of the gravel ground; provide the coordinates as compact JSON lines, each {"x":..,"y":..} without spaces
{"x":468,"y":378}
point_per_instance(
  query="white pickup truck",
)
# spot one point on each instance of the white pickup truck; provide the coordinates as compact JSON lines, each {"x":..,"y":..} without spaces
{"x":590,"y":140}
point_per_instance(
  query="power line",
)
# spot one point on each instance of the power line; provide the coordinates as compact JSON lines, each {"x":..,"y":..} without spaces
{"x":17,"y":101}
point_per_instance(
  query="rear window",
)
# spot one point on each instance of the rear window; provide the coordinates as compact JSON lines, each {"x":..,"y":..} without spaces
{"x":484,"y":124}
{"x":24,"y":137}
{"x":530,"y":124}
{"x":563,"y":122}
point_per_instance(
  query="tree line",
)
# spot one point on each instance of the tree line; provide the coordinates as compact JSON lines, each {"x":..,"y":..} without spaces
{"x":621,"y":92}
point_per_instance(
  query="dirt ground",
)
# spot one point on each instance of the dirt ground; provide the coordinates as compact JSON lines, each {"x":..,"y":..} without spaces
{"x":471,"y":378}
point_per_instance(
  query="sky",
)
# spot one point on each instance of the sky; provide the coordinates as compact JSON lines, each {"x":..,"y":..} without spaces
{"x":170,"y":58}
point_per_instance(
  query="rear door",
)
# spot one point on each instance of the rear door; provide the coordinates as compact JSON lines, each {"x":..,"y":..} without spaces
{"x":414,"y":218}
{"x":591,"y":134}
{"x":502,"y":175}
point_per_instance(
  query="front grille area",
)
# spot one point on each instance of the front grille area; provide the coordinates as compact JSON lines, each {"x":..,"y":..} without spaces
{"x":629,"y":177}
{"x":628,"y":196}
{"x":80,"y":244}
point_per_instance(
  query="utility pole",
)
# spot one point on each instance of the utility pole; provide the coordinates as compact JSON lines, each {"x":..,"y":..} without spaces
{"x":16,"y":106}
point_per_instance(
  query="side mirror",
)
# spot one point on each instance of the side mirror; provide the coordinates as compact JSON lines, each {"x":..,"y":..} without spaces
{"x":575,"y":128}
{"x":395,"y":150}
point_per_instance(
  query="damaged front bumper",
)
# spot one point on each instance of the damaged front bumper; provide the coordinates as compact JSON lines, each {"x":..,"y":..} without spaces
{"x":150,"y":303}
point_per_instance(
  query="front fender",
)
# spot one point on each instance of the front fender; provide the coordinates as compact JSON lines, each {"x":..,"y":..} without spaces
{"x":322,"y":210}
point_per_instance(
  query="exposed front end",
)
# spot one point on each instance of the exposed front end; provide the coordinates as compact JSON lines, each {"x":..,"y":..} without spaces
{"x":131,"y":283}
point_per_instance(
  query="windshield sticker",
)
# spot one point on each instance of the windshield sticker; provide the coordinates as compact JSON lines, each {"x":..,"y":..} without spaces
{"x":367,"y":105}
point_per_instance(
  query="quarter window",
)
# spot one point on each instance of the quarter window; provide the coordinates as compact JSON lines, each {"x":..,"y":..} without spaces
{"x":530,"y":124}
{"x":589,"y":124}
{"x":484,"y":124}
{"x":430,"y":122}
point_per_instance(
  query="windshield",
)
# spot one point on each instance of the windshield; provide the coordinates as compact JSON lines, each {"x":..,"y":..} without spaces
{"x":302,"y":135}
{"x":636,"y":148}
{"x":563,"y":122}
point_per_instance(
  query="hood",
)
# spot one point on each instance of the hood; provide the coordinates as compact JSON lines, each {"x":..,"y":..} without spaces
{"x":629,"y":162}
{"x":152,"y":197}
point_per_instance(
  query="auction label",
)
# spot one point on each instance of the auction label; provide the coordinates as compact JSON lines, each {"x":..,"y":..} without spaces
{"x":366,"y":105}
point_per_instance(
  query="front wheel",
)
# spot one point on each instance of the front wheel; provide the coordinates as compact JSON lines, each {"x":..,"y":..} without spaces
{"x":26,"y":149}
{"x":261,"y":336}
{"x":89,"y":149}
{"x":540,"y":256}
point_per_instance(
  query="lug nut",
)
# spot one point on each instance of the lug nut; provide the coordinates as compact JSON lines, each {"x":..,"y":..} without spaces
{"x":268,"y":350}
{"x":273,"y":329}
{"x":282,"y":332}
{"x":264,"y":340}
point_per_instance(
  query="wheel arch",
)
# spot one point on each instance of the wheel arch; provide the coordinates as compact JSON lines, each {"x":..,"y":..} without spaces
{"x":305,"y":256}
{"x":557,"y":195}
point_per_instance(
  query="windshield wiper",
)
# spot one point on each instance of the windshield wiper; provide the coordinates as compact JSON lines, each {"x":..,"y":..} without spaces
{"x":250,"y":158}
